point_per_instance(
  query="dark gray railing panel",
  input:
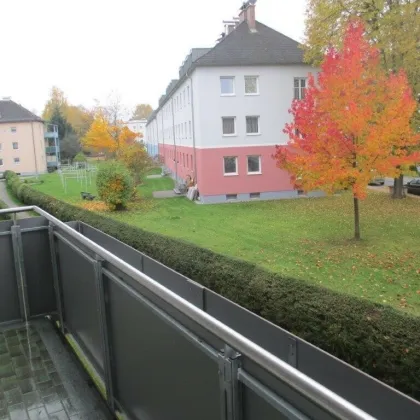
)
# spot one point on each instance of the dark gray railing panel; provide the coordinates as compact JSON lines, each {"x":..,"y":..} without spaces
{"x":9,"y":299}
{"x":384,"y":402}
{"x":38,"y":268}
{"x":183,"y":286}
{"x":301,"y":404}
{"x":111,"y":244}
{"x":159,"y":374}
{"x":81,"y":316}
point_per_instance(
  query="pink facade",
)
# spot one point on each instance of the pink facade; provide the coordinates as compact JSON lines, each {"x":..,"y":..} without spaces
{"x":211,"y":179}
{"x":179,"y":161}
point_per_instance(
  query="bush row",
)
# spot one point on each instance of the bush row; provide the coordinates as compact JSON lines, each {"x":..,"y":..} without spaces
{"x":376,"y":339}
{"x":3,"y":205}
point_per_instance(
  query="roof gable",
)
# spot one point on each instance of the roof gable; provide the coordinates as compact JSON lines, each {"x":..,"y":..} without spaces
{"x":10,"y":112}
{"x":243,"y":47}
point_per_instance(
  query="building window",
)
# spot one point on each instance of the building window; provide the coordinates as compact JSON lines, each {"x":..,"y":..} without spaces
{"x":189,"y":130}
{"x":17,"y":161}
{"x":231,"y":196}
{"x":252,"y":125}
{"x":230,"y":165}
{"x":188,"y":94}
{"x":1,"y":162}
{"x":15,"y":145}
{"x":192,"y":162}
{"x":300,"y":87}
{"x":254,"y":196}
{"x":185,"y":128}
{"x":228,"y":126}
{"x":254,"y":164}
{"x":1,"y":146}
{"x":13,"y":129}
{"x":188,"y":163}
{"x":134,"y":128}
{"x":227,"y":86}
{"x":251,"y":85}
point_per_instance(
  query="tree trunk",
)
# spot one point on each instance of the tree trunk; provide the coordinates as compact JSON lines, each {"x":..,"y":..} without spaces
{"x":398,"y":187}
{"x":356,"y":219}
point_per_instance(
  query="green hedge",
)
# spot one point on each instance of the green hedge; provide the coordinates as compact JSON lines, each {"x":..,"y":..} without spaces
{"x":377,"y":339}
{"x":3,"y":205}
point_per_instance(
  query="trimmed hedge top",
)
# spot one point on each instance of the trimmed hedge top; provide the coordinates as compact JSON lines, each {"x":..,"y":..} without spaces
{"x":377,"y":339}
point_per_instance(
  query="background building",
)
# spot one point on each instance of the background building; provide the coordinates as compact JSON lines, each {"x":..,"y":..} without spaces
{"x":220,"y":122}
{"x":27,"y":146}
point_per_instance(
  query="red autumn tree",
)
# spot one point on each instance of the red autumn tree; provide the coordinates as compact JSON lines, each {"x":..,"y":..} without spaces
{"x":353,"y":123}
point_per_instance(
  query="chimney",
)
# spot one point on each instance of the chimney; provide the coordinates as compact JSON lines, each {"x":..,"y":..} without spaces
{"x":248,"y":13}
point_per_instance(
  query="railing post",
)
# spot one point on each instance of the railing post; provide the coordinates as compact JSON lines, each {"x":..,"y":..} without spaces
{"x":102,"y":300}
{"x":230,"y":392}
{"x":56,"y":279}
{"x":20,"y":272}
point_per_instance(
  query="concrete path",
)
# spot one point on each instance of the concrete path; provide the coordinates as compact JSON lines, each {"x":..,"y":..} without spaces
{"x":153,"y":176}
{"x":165,"y":194}
{"x":4,"y":196}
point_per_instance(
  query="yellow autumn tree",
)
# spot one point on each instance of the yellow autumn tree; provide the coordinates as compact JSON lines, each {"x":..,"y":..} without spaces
{"x":108,"y":137}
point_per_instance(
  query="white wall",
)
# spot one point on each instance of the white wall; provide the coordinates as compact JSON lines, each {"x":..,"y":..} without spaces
{"x":276,"y":93}
{"x":174,"y":119}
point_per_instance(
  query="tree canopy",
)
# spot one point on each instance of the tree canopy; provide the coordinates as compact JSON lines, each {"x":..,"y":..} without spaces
{"x":352,"y":124}
{"x":142,"y":111}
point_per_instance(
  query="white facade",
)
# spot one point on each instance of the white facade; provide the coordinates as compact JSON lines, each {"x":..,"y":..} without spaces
{"x":270,"y":104}
{"x":193,"y":113}
{"x":137,"y":126}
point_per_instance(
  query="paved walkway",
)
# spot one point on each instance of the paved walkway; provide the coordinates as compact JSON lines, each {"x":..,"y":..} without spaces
{"x":165,"y":194}
{"x":153,"y":176}
{"x":4,"y":196}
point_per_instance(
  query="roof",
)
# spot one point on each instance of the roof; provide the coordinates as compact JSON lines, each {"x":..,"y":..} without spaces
{"x":10,"y":112}
{"x":242,"y":47}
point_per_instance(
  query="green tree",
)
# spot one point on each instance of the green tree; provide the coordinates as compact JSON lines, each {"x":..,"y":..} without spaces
{"x":392,"y":25}
{"x":142,"y":111}
{"x":115,"y":184}
{"x":69,"y":146}
{"x":57,"y":118}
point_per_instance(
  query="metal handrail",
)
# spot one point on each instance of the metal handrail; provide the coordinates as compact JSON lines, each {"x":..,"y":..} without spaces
{"x":303,"y":384}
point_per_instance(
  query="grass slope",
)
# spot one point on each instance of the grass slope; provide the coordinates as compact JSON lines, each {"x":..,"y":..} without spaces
{"x":305,"y":238}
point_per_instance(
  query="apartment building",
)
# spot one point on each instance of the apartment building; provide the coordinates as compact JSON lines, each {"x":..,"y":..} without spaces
{"x":219,"y":123}
{"x":27,"y":146}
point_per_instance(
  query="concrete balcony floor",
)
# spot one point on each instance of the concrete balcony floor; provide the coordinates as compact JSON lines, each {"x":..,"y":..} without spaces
{"x":40,"y":378}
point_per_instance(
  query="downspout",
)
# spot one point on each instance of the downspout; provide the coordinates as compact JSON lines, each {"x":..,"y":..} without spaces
{"x":33,"y":144}
{"x":163,"y":135}
{"x":173,"y":133}
{"x":193,"y":128}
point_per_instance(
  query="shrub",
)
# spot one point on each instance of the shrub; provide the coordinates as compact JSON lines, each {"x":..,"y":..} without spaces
{"x":374,"y":338}
{"x":80,"y":157}
{"x":114,"y":184}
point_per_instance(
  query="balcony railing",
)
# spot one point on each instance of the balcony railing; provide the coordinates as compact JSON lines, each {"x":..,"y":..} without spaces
{"x":165,"y":347}
{"x":51,"y":149}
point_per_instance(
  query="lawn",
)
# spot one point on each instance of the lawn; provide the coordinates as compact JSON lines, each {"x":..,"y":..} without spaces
{"x":304,"y":238}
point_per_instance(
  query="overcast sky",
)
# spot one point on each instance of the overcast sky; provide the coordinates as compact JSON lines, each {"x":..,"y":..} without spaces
{"x":89,"y":48}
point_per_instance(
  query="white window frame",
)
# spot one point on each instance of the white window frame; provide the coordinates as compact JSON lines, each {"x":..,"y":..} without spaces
{"x":300,"y":88}
{"x":188,"y":94}
{"x":13,"y":145}
{"x":233,"y":86}
{"x":259,"y":125}
{"x":14,"y":160}
{"x":258,"y":86}
{"x":247,"y":165}
{"x":237,"y":166}
{"x":234,"y":124}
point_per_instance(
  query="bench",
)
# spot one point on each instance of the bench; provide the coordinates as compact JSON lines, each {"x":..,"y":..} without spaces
{"x":87,"y":196}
